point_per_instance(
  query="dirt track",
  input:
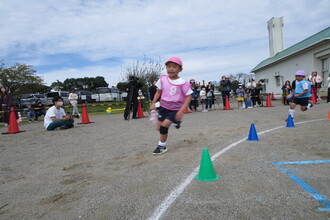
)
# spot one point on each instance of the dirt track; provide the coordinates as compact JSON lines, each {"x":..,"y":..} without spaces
{"x":106,"y":170}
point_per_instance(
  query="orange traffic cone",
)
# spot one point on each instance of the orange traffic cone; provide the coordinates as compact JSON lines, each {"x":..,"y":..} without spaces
{"x":13,"y":125}
{"x":314,"y":100}
{"x":329,"y":115}
{"x":84,"y":115}
{"x":273,"y":97}
{"x":227,"y":106}
{"x":140,"y":111}
{"x":268,"y":101}
{"x":186,"y":110}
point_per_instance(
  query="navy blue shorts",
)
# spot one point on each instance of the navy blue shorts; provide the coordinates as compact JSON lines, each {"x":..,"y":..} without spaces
{"x":300,"y":101}
{"x":164,"y":113}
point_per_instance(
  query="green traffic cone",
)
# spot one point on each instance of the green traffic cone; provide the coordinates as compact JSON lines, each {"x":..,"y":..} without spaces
{"x":206,"y":170}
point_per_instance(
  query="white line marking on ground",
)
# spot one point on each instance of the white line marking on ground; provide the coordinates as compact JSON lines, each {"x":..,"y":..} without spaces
{"x":179,"y":189}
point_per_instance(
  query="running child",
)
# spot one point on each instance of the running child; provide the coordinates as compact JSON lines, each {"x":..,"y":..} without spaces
{"x":302,"y":93}
{"x":175,"y":95}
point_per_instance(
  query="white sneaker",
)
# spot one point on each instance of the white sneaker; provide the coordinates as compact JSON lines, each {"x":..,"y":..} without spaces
{"x":205,"y":110}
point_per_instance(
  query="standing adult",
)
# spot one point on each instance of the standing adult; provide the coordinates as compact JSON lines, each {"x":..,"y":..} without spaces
{"x":225,"y":87}
{"x":251,"y":85}
{"x":286,"y":90}
{"x":194,"y":96}
{"x":56,"y":117}
{"x":73,"y":99}
{"x":6,"y":101}
{"x":209,"y":95}
{"x":316,"y":81}
{"x":132,"y":90}
{"x":256,"y":93}
{"x":152,"y":90}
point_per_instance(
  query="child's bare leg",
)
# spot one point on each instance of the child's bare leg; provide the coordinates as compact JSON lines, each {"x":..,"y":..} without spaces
{"x":291,"y":110}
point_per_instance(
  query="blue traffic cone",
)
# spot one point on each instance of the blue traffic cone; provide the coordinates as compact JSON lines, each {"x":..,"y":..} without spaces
{"x":289,"y":122}
{"x":253,"y":136}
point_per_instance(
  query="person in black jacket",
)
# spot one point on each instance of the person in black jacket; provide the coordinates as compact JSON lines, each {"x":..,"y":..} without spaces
{"x":152,"y":90}
{"x":256,"y":94}
{"x":132,"y":90}
{"x":225,"y":87}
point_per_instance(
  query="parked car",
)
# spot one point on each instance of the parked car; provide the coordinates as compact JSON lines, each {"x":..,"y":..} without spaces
{"x":103,"y":94}
{"x":27,"y":99}
{"x":86,"y":96}
{"x":63,"y":94}
{"x":116,"y":95}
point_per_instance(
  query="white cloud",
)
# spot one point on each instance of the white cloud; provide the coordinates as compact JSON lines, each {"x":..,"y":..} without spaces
{"x":213,"y":36}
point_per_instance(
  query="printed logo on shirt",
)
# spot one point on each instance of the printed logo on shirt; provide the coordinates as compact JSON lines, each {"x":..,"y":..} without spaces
{"x":173,"y":90}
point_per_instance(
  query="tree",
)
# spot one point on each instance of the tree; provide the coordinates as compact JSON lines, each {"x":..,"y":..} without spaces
{"x":57,"y":86}
{"x":146,"y":71}
{"x":21,"y":79}
{"x":86,"y":83}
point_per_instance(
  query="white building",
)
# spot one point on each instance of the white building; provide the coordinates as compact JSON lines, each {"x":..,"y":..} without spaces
{"x":311,"y":54}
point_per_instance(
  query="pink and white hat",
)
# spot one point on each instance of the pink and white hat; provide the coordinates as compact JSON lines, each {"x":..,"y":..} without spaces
{"x":176,"y":60}
{"x":300,"y":73}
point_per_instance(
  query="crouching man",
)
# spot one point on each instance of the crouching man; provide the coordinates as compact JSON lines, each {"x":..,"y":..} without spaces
{"x":56,"y":117}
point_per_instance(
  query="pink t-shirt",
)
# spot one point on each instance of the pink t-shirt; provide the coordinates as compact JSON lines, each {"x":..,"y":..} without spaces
{"x":173,"y":94}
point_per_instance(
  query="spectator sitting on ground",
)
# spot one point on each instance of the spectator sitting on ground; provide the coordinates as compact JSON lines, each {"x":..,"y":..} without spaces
{"x":56,"y":117}
{"x":39,"y":109}
{"x":29,"y":113}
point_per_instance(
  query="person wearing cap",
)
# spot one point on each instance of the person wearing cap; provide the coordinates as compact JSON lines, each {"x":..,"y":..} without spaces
{"x":175,"y":95}
{"x":55,"y":116}
{"x":316,"y":81}
{"x":302,"y":93}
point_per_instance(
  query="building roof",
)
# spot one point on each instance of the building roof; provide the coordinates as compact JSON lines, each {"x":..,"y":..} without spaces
{"x":308,"y":42}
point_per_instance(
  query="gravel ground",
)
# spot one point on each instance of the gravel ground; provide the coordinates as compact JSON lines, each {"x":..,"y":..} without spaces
{"x":106,"y":170}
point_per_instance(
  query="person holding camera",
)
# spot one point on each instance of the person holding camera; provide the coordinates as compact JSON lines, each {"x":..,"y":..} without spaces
{"x":55,"y":116}
{"x":225,"y":87}
{"x":132,"y":90}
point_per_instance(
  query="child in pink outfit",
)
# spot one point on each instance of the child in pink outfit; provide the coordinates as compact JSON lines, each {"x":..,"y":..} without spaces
{"x":175,"y":94}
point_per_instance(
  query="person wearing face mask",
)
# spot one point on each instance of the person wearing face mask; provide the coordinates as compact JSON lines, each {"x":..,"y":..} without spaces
{"x":55,"y":116}
{"x":240,"y":96}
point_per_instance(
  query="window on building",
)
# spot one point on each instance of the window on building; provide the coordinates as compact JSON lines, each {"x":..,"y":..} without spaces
{"x":278,"y":81}
{"x":325,"y":69}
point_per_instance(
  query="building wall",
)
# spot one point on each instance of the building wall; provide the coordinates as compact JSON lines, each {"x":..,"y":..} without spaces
{"x":277,"y":74}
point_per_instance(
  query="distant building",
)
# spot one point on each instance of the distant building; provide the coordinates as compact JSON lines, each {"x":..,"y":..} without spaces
{"x":313,"y":53}
{"x":275,"y":35}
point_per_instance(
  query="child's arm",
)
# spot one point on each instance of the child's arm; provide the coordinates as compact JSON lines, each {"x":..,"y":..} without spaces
{"x":179,"y":114}
{"x":156,"y":98}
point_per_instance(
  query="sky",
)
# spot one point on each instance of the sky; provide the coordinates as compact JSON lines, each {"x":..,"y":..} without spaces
{"x":89,"y":38}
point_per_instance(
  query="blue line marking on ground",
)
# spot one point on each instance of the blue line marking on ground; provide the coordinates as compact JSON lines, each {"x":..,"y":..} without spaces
{"x":302,"y":162}
{"x":314,"y":193}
